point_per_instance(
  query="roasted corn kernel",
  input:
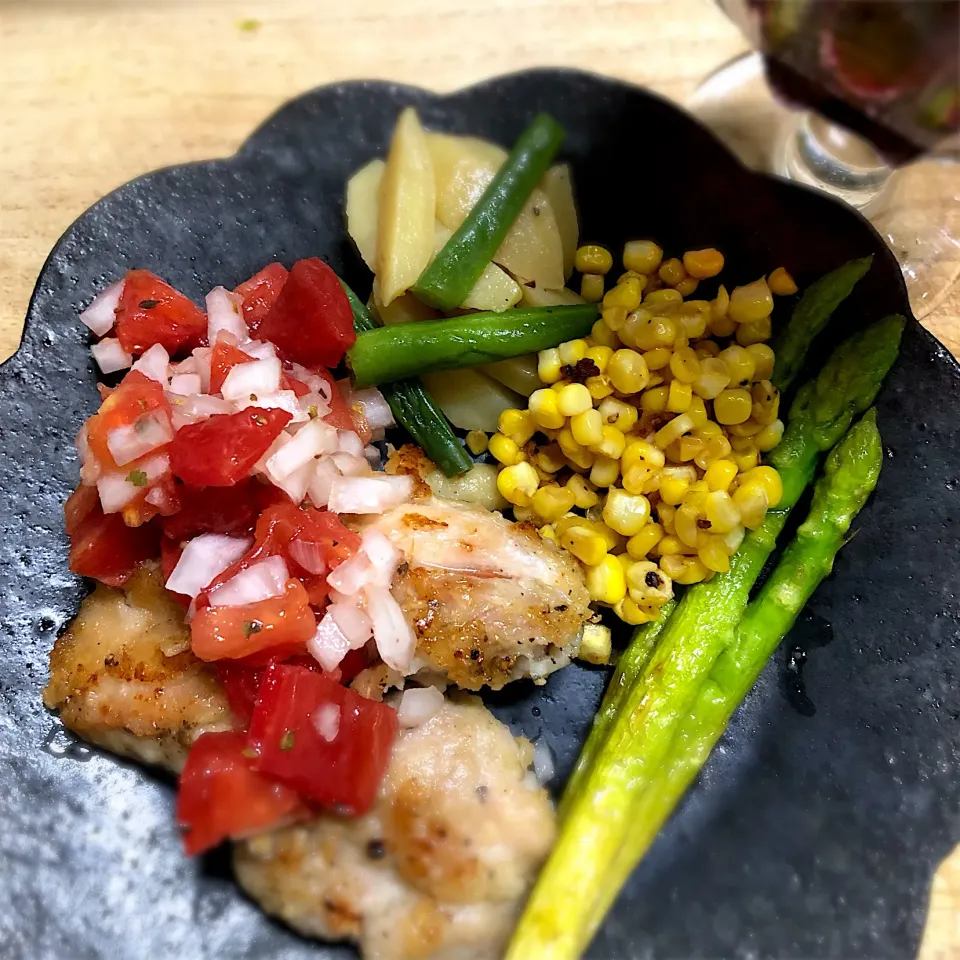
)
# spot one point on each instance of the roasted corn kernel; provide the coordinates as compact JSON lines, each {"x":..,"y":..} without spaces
{"x":518,"y":425}
{"x":633,"y":613}
{"x":713,"y":554}
{"x":611,"y":445}
{"x":602,"y":335}
{"x":599,"y":386}
{"x":606,"y":582}
{"x":477,"y":442}
{"x":627,"y":371}
{"x":595,"y":644}
{"x":687,"y":286}
{"x":763,"y":360}
{"x":703,"y":263}
{"x":625,"y":513}
{"x":751,"y":302}
{"x":641,"y":543}
{"x":518,"y":483}
{"x":754,"y":332}
{"x":740,"y":365}
{"x":658,"y":298}
{"x":769,"y":479}
{"x":548,"y":365}
{"x":719,"y":475}
{"x":644,"y":256}
{"x":592,"y":258}
{"x":572,"y":399}
{"x":721,"y":511}
{"x":553,"y":501}
{"x":600,"y":355}
{"x":504,"y":449}
{"x":679,"y":396}
{"x":769,"y":436}
{"x":781,"y":283}
{"x":733,"y":406}
{"x":591,"y":287}
{"x":587,"y":427}
{"x":751,"y":501}
{"x":672,"y":271}
{"x":684,"y":570}
{"x":685,"y":365}
{"x":616,"y":413}
{"x":573,"y":351}
{"x":614,"y":318}
{"x":604,"y":472}
{"x":544,"y":409}
{"x":766,"y":402}
{"x":658,"y":358}
{"x":583,"y":542}
{"x":654,"y":400}
{"x":626,"y":294}
{"x":584,"y":494}
{"x":673,"y":430}
{"x":713,"y":379}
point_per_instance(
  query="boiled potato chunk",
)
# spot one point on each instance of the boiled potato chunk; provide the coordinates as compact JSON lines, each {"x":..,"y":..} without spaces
{"x":559,"y":188}
{"x":494,"y":290}
{"x":536,"y":296}
{"x":517,"y":373}
{"x":405,"y":235}
{"x":532,"y":250}
{"x":404,"y":309}
{"x":363,"y":208}
{"x":478,"y":485}
{"x":470,"y":399}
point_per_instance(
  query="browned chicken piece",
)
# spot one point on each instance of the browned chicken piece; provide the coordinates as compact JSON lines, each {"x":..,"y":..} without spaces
{"x":439,"y":867}
{"x":490,"y":600}
{"x":123,"y":676}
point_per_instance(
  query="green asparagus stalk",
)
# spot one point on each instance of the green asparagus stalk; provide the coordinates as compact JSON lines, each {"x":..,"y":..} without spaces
{"x":810,"y":316}
{"x":415,"y":410}
{"x":569,"y":898}
{"x":850,"y":475}
{"x":450,"y":276}
{"x":410,"y":349}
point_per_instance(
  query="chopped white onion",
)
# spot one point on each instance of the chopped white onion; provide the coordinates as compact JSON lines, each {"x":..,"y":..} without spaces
{"x":110,"y":355}
{"x":316,"y":383}
{"x":116,"y":490}
{"x":89,"y":465}
{"x":312,"y":440}
{"x":372,"y":456}
{"x":376,"y":410}
{"x":418,"y":705}
{"x":324,"y":473}
{"x":185,"y":384}
{"x":326,"y":721}
{"x":200,"y":363}
{"x":259,"y":349}
{"x":295,"y":484}
{"x":249,"y":381}
{"x":282,"y":400}
{"x":101,"y":314}
{"x":308,"y":555}
{"x":261,"y":581}
{"x":369,"y":494}
{"x":543,"y":762}
{"x":352,"y":575}
{"x":196,"y":407}
{"x":204,"y":558}
{"x":352,"y":621}
{"x":393,"y":635}
{"x":134,"y":440}
{"x":155,"y":364}
{"x":350,"y":443}
{"x":328,"y":646}
{"x":223,"y":315}
{"x":383,"y":555}
{"x":313,"y":405}
{"x":350,"y":466}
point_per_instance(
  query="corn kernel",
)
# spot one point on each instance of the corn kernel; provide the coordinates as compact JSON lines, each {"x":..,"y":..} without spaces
{"x":600,"y":355}
{"x":740,"y":365}
{"x":573,"y":399}
{"x":477,"y":442}
{"x":549,"y":458}
{"x":654,"y":400}
{"x":722,"y":326}
{"x":707,"y":349}
{"x":733,"y":406}
{"x":641,"y":451}
{"x":599,"y":387}
{"x":745,"y":459}
{"x":713,"y":554}
{"x":719,"y":475}
{"x":584,"y":494}
{"x":592,"y":258}
{"x":781,"y":283}
{"x":548,"y":532}
{"x":644,"y":256}
{"x":703,"y":263}
{"x":518,"y":483}
{"x":684,"y":365}
{"x":672,"y":272}
{"x":749,"y":428}
{"x":504,"y":449}
{"x":686,"y":286}
{"x":769,"y":479}
{"x":606,"y":582}
{"x":754,"y":332}
{"x":605,"y":472}
{"x":544,"y":410}
{"x":647,"y":583}
{"x":595,"y":644}
{"x":587,"y":427}
{"x":751,"y":302}
{"x":614,"y":318}
{"x":641,"y":478}
{"x":616,"y":413}
{"x":721,"y":511}
{"x":611,"y":445}
{"x":666,"y":515}
{"x":591,"y":287}
{"x":583,"y":542}
{"x":713,"y":379}
{"x":641,"y":543}
{"x":518,"y":425}
{"x":627,"y":371}
{"x":548,"y":365}
{"x":626,"y":294}
{"x":633,"y":613}
{"x":660,"y":298}
{"x":751,"y":501}
{"x":686,"y":524}
{"x":625,"y":561}
{"x":766,"y":402}
{"x":673,"y":489}
{"x":580,"y":460}
{"x":697,"y":412}
{"x":769,"y":436}
{"x":573,"y":351}
{"x":673,"y":430}
{"x":610,"y":537}
{"x":672,"y":546}
{"x":601,"y":334}
{"x":763,"y":360}
{"x":685,"y":570}
{"x":553,"y":501}
{"x":720,"y":305}
{"x":658,"y":358}
{"x":679,"y":396}
{"x":693,"y":318}
{"x":626,"y":513}
{"x":687,"y":448}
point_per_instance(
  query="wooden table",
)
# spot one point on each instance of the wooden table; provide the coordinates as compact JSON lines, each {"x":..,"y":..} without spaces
{"x":96,"y":92}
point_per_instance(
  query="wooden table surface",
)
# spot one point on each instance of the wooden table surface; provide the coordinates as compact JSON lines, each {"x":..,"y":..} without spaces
{"x":96,"y":92}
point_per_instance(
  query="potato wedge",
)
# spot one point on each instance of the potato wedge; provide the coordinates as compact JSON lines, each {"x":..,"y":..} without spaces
{"x":470,"y":399}
{"x":532,"y":250}
{"x":536,"y":296}
{"x":517,"y":373}
{"x":558,"y":186}
{"x":463,"y":168}
{"x":363,"y":209}
{"x":404,"y":309}
{"x":494,"y":290}
{"x":478,"y":485}
{"x":405,"y":236}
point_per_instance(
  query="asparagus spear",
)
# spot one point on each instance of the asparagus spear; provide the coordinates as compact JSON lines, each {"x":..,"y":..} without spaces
{"x":415,"y":410}
{"x":570,"y":896}
{"x":850,"y":475}
{"x":457,"y":267}
{"x":409,"y":349}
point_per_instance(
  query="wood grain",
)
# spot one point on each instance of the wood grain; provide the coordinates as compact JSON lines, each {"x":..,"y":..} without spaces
{"x":96,"y":92}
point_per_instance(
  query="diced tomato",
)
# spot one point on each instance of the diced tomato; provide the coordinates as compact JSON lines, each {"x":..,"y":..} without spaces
{"x":240,"y":679}
{"x":233,"y":632}
{"x":260,"y":293}
{"x":151,"y":311}
{"x":105,"y":548}
{"x":170,"y":551}
{"x":288,"y":383}
{"x":80,"y":505}
{"x":221,"y":795}
{"x":136,"y":396}
{"x":353,"y":663}
{"x":222,"y":450}
{"x":343,"y":772}
{"x":341,"y":415}
{"x":230,"y":510}
{"x":311,"y":321}
{"x":223,"y":358}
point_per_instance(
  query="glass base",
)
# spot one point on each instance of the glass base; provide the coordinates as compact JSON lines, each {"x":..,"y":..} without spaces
{"x":915,"y":208}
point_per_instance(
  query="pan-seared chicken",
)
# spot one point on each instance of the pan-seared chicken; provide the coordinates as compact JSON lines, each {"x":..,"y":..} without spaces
{"x":490,"y":601}
{"x":437,"y":869}
{"x":123,"y":676}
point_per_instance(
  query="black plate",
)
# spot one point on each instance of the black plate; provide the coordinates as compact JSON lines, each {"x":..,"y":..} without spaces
{"x":817,"y":825}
